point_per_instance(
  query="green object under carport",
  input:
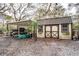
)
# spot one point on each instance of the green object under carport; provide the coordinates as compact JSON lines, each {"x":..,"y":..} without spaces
{"x":23,"y":36}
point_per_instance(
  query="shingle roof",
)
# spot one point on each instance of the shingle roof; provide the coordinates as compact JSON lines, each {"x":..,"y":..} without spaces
{"x":58,"y":20}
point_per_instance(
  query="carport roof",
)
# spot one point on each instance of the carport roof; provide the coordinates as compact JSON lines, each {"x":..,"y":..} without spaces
{"x":58,"y":20}
{"x":25,"y":22}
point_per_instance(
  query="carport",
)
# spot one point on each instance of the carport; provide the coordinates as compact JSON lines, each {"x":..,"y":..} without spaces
{"x":22,"y":23}
{"x":18,"y":24}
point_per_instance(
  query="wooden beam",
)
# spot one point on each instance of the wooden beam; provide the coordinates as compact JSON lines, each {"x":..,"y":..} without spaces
{"x":34,"y":34}
{"x":7,"y":29}
{"x":71,"y":31}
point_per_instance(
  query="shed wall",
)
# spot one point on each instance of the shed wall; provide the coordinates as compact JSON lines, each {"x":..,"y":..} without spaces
{"x":62,"y":36}
{"x":41,"y":35}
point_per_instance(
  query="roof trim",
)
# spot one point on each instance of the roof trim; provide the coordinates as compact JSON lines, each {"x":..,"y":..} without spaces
{"x":53,"y":18}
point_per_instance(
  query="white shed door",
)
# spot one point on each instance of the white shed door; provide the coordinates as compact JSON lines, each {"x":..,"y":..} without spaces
{"x":48,"y":29}
{"x":55,"y":31}
{"x":51,"y":31}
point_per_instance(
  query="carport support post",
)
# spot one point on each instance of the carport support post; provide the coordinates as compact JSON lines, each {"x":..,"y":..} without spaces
{"x":71,"y":31}
{"x":18,"y":28}
{"x":7,"y":29}
{"x":34,"y":34}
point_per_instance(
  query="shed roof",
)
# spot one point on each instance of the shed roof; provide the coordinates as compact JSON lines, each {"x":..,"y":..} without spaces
{"x":58,"y":20}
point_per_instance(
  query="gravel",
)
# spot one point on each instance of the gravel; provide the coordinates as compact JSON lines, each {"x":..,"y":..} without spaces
{"x":42,"y":47}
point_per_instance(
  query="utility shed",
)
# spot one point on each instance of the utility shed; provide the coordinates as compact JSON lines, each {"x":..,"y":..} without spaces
{"x":57,"y":28}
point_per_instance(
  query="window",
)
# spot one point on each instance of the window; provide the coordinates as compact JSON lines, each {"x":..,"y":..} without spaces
{"x":40,"y":28}
{"x":56,"y":3}
{"x":65,"y":28}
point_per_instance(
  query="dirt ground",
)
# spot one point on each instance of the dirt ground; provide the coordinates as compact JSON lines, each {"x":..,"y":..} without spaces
{"x":42,"y":47}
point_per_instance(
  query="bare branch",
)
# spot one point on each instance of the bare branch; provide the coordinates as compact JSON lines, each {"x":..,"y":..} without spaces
{"x":48,"y":8}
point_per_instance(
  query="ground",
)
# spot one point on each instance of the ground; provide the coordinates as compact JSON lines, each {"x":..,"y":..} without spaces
{"x":42,"y":47}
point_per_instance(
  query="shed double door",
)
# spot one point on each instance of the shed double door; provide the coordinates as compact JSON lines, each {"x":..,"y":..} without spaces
{"x":52,"y":31}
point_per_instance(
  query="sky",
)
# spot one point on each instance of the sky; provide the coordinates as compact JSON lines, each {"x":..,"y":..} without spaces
{"x":73,"y":10}
{"x":65,"y":5}
{"x":1,"y":18}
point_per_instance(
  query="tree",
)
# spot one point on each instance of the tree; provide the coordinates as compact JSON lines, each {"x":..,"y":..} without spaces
{"x":57,"y":10}
{"x":34,"y":29}
{"x":43,"y":9}
{"x":3,"y":13}
{"x":74,"y":5}
{"x":54,"y":10}
{"x":3,"y":8}
{"x":8,"y":17}
{"x":19,"y":10}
